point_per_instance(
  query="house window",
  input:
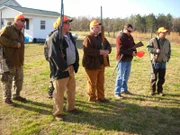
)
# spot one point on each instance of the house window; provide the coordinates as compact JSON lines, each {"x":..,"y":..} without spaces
{"x":42,"y":25}
{"x":9,"y":23}
{"x":27,"y":24}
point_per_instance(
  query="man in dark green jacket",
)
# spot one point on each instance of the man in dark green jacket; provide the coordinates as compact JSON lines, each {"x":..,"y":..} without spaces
{"x":12,"y":41}
{"x":160,"y":50}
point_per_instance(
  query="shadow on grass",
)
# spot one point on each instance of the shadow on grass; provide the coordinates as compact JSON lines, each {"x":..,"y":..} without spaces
{"x":38,"y":107}
{"x":168,"y":98}
{"x":129,"y":118}
{"x":173,"y":95}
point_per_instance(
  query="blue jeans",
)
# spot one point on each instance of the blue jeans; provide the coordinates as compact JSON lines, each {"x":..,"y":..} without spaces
{"x":124,"y":69}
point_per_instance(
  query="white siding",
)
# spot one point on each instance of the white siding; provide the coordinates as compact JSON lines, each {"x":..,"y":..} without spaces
{"x":34,"y":30}
{"x":8,"y":13}
{"x":42,"y":33}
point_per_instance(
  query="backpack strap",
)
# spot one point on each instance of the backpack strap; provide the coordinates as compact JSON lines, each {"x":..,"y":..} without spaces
{"x":158,"y":45}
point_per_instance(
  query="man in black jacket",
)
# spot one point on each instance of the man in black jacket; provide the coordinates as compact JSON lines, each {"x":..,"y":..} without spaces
{"x":64,"y":61}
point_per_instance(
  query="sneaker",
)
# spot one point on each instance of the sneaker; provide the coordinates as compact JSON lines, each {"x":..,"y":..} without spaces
{"x":19,"y":98}
{"x":161,"y":94}
{"x":9,"y":102}
{"x":103,"y":100}
{"x":59,"y":117}
{"x":118,"y":96}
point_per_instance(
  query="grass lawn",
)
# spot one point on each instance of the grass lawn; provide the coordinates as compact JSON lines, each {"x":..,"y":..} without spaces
{"x":137,"y":114}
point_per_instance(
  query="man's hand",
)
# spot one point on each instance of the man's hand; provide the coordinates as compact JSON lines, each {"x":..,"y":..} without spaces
{"x":104,"y":52}
{"x":134,"y":53}
{"x":66,"y":69}
{"x":158,"y":50}
{"x":19,"y":45}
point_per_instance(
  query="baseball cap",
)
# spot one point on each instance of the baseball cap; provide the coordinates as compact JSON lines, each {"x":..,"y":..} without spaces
{"x":19,"y":17}
{"x":94,"y":23}
{"x":55,"y":25}
{"x":162,"y":29}
{"x":65,"y":19}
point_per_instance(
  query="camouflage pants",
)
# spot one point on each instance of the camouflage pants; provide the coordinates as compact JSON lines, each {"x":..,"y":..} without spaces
{"x":12,"y":78}
{"x":51,"y":88}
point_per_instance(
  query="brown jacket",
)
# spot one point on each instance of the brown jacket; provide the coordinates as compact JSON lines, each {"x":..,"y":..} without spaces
{"x":123,"y":45}
{"x":91,"y":47}
{"x":9,"y":38}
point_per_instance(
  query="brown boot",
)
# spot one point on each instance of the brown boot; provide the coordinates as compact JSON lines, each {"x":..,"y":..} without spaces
{"x":9,"y":102}
{"x":19,"y":98}
{"x":59,"y":117}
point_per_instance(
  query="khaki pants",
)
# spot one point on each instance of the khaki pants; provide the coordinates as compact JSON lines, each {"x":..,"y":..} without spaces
{"x":95,"y":81}
{"x":66,"y":84}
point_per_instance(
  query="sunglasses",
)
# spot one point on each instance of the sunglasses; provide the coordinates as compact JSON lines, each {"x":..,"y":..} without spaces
{"x":129,"y":31}
{"x":22,"y":20}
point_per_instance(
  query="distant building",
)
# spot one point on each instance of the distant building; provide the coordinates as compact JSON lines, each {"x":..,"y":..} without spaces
{"x":38,"y":25}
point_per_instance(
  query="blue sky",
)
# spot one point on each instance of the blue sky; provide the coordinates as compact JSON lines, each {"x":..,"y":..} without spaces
{"x":111,"y":8}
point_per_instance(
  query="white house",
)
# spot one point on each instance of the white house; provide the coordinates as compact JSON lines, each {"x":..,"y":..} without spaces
{"x":38,"y":25}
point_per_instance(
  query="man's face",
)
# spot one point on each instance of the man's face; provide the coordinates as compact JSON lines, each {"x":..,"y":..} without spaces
{"x":162,"y":34}
{"x":96,"y":29}
{"x":66,"y":26}
{"x":128,"y":30}
{"x":20,"y":24}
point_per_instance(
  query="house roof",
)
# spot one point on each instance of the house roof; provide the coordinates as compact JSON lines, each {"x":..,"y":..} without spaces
{"x":3,"y":1}
{"x":6,"y":2}
{"x":26,"y":10}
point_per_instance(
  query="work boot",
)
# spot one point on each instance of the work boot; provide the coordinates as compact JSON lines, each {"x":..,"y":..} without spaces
{"x":126,"y":93}
{"x":19,"y":98}
{"x":103,"y":100}
{"x":118,"y":96}
{"x":161,"y":94}
{"x":59,"y":117}
{"x":75,"y":111}
{"x":9,"y":102}
{"x":153,"y":93}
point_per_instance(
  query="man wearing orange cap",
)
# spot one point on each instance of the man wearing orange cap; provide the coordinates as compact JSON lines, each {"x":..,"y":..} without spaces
{"x":93,"y":62}
{"x":160,"y":50}
{"x":12,"y":40}
{"x":64,"y":61}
